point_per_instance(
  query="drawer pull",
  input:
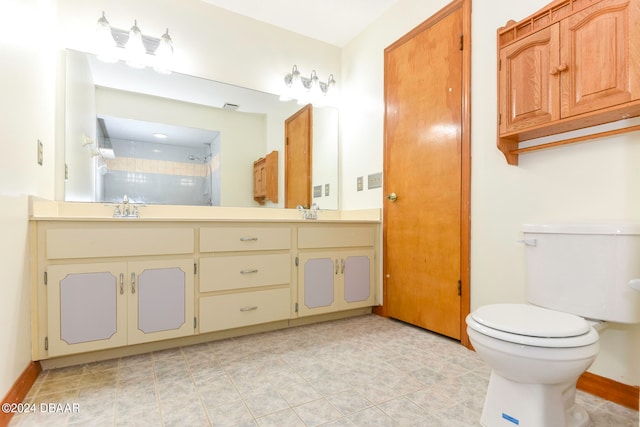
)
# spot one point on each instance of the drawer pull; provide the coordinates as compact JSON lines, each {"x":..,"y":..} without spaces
{"x":255,"y":270}
{"x":121,"y":283}
{"x":133,"y":283}
{"x":250,"y":308}
{"x":248,"y":239}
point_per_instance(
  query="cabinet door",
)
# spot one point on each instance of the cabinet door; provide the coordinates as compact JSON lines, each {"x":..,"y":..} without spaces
{"x":357,"y":274}
{"x":161,"y":295}
{"x":528,"y":83}
{"x":259,"y":180}
{"x":317,"y":278}
{"x":86,"y":307}
{"x":599,"y":56}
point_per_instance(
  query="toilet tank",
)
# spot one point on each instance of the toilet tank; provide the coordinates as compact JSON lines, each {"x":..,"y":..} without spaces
{"x":584,"y":269}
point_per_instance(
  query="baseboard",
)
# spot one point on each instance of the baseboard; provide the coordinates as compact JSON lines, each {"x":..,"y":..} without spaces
{"x":19,"y":390}
{"x":622,"y":394}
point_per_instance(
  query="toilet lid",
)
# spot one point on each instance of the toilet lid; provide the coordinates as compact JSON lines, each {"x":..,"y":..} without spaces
{"x":529,"y":320}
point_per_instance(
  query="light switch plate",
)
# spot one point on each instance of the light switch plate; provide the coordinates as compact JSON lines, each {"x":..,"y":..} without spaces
{"x":317,"y":191}
{"x":359,"y":184}
{"x":374,"y":180}
{"x":40,"y":153}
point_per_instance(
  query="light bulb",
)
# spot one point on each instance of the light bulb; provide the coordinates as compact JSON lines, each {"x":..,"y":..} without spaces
{"x":104,"y":41}
{"x":164,"y":53}
{"x":135,"y":48}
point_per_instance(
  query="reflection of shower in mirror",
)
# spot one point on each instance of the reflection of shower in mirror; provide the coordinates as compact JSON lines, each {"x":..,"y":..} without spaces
{"x":200,"y":159}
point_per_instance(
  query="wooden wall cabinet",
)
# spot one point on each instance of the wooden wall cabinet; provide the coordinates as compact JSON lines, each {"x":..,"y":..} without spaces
{"x":265,"y":178}
{"x":572,"y":65}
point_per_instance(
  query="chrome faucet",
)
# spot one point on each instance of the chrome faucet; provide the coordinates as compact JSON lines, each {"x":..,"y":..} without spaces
{"x":128,"y":210}
{"x":311,"y":213}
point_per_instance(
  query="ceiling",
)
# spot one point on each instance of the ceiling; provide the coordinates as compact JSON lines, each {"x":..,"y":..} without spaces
{"x":335,"y":22}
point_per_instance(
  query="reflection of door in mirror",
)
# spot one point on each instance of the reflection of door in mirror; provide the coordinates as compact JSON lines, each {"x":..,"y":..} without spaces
{"x":297,"y":168}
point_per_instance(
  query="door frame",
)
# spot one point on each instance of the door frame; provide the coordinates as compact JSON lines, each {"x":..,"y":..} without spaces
{"x":465,"y":154}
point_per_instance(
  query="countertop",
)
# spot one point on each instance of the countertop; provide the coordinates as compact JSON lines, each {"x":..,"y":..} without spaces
{"x":51,"y":210}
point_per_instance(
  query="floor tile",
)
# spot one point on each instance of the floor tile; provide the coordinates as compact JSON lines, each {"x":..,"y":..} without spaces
{"x":364,"y":371}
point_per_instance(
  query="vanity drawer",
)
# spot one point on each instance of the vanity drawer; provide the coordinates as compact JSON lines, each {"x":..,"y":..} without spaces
{"x":109,"y":242}
{"x":231,"y":239}
{"x":335,"y":237}
{"x":245,"y":271}
{"x":221,"y":312}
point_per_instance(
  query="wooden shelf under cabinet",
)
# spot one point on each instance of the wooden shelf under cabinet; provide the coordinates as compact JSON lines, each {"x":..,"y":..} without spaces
{"x":265,"y":178}
{"x":572,"y":65}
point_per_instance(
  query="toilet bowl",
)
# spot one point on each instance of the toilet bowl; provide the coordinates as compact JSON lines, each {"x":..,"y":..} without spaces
{"x":537,"y":351}
{"x":536,"y":356}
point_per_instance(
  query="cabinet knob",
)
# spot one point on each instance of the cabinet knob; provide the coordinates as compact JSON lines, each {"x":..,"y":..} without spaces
{"x":559,"y":68}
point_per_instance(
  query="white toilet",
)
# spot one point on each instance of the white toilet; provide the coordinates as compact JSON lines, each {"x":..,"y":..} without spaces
{"x":577,"y":277}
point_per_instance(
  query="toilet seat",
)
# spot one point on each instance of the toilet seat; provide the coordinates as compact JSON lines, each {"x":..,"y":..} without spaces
{"x":533,"y":326}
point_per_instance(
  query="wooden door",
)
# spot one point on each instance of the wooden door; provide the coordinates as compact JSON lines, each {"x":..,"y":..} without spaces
{"x":529,"y":92}
{"x":426,"y":171}
{"x":297,"y":152}
{"x":599,"y":57}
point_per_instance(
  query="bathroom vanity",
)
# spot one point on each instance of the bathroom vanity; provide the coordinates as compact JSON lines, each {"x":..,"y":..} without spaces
{"x":176,"y":275}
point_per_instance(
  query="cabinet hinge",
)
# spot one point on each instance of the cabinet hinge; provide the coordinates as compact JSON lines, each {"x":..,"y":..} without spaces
{"x":195,"y":268}
{"x":499,"y":118}
{"x":459,"y":287}
{"x":46,"y":279}
{"x":195,"y":322}
{"x":296,"y":307}
{"x":297,"y":261}
{"x":46,"y":343}
{"x":461,"y":41}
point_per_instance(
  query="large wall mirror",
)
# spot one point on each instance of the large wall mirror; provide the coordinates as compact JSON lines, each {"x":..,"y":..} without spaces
{"x":178,"y":139}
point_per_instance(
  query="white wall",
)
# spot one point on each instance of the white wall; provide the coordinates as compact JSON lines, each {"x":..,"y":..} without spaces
{"x":594,"y":181}
{"x":208,"y":41}
{"x":80,"y":125}
{"x":27,"y":84}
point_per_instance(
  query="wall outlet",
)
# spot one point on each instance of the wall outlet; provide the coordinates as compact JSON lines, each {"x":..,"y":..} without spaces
{"x":359,"y":184}
{"x":326,"y":190}
{"x":40,"y":153}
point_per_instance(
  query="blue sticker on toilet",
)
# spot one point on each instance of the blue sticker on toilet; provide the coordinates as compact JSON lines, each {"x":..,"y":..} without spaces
{"x":510,"y":418}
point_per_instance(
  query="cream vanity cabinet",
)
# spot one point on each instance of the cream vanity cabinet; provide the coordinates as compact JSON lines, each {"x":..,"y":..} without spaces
{"x":335,"y":268}
{"x":114,"y":286}
{"x":245,"y":275}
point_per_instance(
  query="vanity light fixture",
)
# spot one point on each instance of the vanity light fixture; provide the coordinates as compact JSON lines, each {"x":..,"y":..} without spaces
{"x":139,"y":50}
{"x":307,"y":89}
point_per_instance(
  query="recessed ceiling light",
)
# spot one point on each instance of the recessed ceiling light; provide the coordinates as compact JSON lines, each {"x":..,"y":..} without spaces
{"x":160,"y":135}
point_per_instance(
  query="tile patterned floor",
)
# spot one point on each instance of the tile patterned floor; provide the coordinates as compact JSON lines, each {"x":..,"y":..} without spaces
{"x":363,"y":371}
